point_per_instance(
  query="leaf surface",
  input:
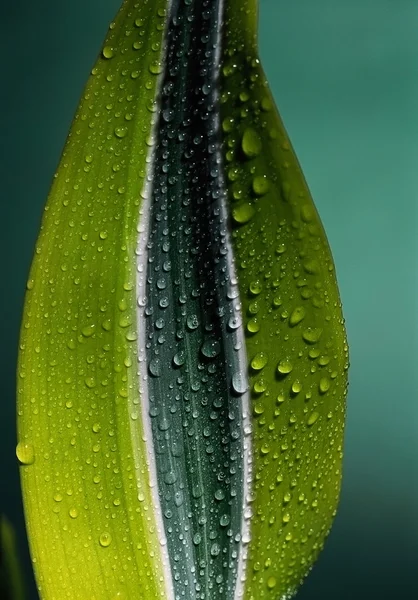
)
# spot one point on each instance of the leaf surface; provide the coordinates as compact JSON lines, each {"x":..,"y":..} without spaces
{"x":182,"y":373}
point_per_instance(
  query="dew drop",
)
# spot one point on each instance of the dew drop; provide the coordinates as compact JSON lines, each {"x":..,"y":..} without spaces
{"x":211,"y":348}
{"x":192,"y":322}
{"x":87,"y":331}
{"x":261,"y":185}
{"x":259,"y":361}
{"x":311,"y":335}
{"x":243,"y":213}
{"x":313,"y":417}
{"x":296,"y":386}
{"x":297,"y":316}
{"x":224,"y":520}
{"x":121,"y":131}
{"x":105,"y":539}
{"x":251,"y":143}
{"x":108,"y":52}
{"x":155,"y":68}
{"x":239,"y":383}
{"x":284,"y":367}
{"x":25,"y":453}
{"x":324,"y":385}
{"x":178,"y":359}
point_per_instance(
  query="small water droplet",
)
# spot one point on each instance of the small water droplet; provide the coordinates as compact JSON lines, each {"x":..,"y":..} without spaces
{"x":261,"y":185}
{"x":87,"y":331}
{"x":192,"y":322}
{"x":324,"y":385}
{"x":311,"y":335}
{"x":259,"y":361}
{"x":239,"y":382}
{"x":313,"y":417}
{"x":211,"y":348}
{"x":297,"y":316}
{"x":284,"y":367}
{"x":120,"y":132}
{"x":243,"y":213}
{"x":296,"y":386}
{"x":155,"y":68}
{"x":105,"y":539}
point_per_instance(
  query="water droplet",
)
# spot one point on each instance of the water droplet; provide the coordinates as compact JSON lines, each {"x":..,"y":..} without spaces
{"x":211,"y":348}
{"x":297,"y":316}
{"x":105,"y":539}
{"x":261,"y":185}
{"x":224,"y":520}
{"x":324,"y":385}
{"x":284,"y":367}
{"x":90,"y":382}
{"x":307,"y":213}
{"x":88,"y":331}
{"x":271,"y":582}
{"x":251,"y":143}
{"x":260,"y":386}
{"x":255,"y":287}
{"x":155,"y":367}
{"x":219,"y":494}
{"x":73,"y":512}
{"x":313,"y":417}
{"x":296,"y":386}
{"x":259,"y":361}
{"x":121,"y":131}
{"x":25,"y":453}
{"x":155,"y":68}
{"x":239,"y":383}
{"x":178,"y":359}
{"x":108,"y":52}
{"x":311,"y":335}
{"x":243,"y":213}
{"x":311,"y":267}
{"x":253,"y":326}
{"x":192,"y":322}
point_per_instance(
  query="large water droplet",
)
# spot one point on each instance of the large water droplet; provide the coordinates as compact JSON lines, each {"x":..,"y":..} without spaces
{"x":25,"y":453}
{"x":211,"y":348}
{"x":239,"y":382}
{"x":251,"y":143}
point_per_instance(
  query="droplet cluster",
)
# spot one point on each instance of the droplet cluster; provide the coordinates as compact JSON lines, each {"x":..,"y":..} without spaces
{"x":85,"y":478}
{"x":295,"y":336}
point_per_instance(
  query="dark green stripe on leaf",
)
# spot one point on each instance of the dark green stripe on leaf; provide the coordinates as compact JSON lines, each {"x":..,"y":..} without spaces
{"x":191,"y":321}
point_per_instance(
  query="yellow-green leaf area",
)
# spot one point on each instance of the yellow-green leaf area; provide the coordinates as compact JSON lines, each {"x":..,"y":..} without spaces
{"x":295,"y":334}
{"x":85,"y":477}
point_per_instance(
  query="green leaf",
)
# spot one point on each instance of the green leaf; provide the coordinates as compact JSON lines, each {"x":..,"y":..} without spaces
{"x":182,"y":373}
{"x":11,"y":581}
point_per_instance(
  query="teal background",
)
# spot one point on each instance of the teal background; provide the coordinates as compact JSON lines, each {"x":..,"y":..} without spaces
{"x":345,"y":77}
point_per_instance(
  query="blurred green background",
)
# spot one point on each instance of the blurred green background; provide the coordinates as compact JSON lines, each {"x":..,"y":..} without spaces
{"x":345,"y":77}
